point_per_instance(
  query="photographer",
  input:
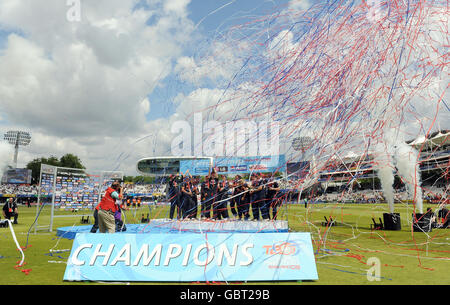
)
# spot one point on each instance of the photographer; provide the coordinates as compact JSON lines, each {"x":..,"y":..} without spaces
{"x":108,"y":207}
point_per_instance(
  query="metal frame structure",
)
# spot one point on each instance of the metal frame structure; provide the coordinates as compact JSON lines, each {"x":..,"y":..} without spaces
{"x":53,"y":170}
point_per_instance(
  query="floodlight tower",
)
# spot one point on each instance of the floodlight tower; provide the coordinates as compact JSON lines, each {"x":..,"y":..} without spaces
{"x":17,"y":138}
{"x":301,"y":143}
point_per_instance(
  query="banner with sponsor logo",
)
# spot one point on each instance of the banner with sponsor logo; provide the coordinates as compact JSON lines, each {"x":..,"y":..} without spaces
{"x":196,"y":167}
{"x":235,"y":165}
{"x":191,"y":257}
{"x":17,"y":176}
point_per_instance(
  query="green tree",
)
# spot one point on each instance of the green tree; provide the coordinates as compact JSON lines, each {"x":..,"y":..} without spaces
{"x":68,"y":160}
{"x":127,"y":178}
{"x":72,"y":161}
{"x":35,"y":166}
{"x":139,"y":179}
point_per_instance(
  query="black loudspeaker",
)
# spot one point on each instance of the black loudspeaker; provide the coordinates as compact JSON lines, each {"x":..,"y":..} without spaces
{"x":421,"y":222}
{"x":392,"y":221}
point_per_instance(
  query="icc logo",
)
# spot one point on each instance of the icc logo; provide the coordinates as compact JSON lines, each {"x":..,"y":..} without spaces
{"x":282,"y":248}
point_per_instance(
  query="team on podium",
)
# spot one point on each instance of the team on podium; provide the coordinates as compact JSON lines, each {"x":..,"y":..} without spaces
{"x":215,"y":194}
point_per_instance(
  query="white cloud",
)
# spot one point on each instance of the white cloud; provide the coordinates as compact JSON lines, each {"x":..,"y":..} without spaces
{"x":217,"y":63}
{"x":299,"y":4}
{"x":82,"y":86}
{"x":176,"y":6}
{"x":145,"y":106}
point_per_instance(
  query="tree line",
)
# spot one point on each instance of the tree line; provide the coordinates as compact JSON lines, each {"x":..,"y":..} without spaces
{"x":73,"y":161}
{"x":68,"y":160}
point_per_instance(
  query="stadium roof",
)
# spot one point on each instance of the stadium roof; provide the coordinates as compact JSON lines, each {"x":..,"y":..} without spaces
{"x":351,"y":155}
{"x":434,"y":139}
{"x":437,"y":138}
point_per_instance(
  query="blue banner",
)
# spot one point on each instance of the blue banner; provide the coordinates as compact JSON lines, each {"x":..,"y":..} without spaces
{"x":236,"y":165}
{"x":196,"y":167}
{"x":191,"y":257}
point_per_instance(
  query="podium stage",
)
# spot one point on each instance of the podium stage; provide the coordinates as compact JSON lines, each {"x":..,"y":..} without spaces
{"x":189,"y":226}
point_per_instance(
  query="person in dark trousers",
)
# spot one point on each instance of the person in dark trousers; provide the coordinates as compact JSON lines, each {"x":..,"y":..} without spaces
{"x":274,"y":197}
{"x":204,"y":197}
{"x":174,"y":197}
{"x":245,"y":201}
{"x":95,"y":225}
{"x":10,"y":210}
{"x":183,"y":199}
{"x":186,"y":200}
{"x":264,"y":200}
{"x":221,"y":203}
{"x":256,"y":197}
{"x":240,"y":200}
{"x":194,"y":199}
{"x":233,"y":200}
{"x":211,"y":204}
{"x":120,"y":226}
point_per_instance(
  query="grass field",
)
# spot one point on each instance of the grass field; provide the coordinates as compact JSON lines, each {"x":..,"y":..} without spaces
{"x":342,"y":251}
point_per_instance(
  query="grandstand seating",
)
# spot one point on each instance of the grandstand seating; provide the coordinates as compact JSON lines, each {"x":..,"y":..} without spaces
{"x":7,"y":190}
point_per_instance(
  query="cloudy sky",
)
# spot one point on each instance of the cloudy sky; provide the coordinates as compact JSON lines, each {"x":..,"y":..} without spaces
{"x":106,"y":79}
